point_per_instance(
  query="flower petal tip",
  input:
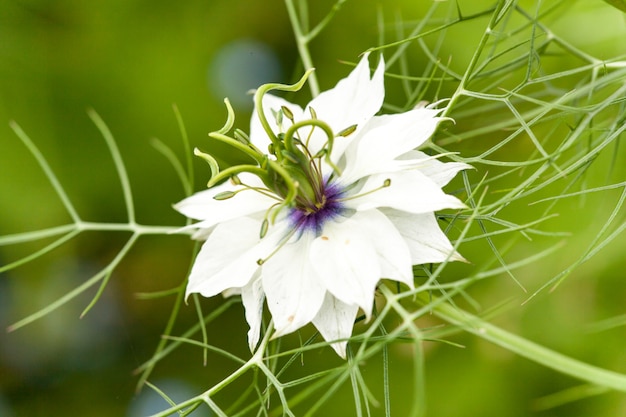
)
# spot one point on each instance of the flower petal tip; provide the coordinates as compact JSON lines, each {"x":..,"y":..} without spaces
{"x":252,"y":342}
{"x":459,"y":258}
{"x":340,"y":349}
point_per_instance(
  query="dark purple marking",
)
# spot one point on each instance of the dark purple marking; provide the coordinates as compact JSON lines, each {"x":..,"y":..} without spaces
{"x":313,"y":218}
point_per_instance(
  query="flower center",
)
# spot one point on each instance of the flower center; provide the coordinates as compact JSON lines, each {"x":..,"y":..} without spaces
{"x":311,"y":215}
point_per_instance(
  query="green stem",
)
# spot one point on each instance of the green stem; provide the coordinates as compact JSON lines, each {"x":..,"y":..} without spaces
{"x":119,"y":163}
{"x":256,"y":361}
{"x":180,"y":296}
{"x":302,"y":41}
{"x":524,"y":347}
{"x":41,"y":160}
{"x":16,"y":238}
{"x":495,"y":17}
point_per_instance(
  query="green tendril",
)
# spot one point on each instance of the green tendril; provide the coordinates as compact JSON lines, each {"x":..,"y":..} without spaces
{"x":258,"y":102}
{"x":237,"y":169}
{"x":213,"y":165}
{"x":328,"y":146}
{"x":230,"y":119}
{"x":292,"y":186}
{"x":247,"y":149}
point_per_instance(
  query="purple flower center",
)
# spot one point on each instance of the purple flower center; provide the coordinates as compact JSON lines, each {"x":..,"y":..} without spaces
{"x":311,"y":215}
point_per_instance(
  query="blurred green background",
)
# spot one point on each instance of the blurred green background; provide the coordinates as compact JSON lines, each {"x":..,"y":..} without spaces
{"x":131,"y":60}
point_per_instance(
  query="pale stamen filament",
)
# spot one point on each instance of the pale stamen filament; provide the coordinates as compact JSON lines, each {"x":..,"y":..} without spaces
{"x":386,"y":183}
{"x":282,"y":243}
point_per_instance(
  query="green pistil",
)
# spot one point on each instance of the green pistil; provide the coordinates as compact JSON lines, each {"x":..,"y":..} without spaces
{"x":258,"y":102}
{"x":291,"y":172}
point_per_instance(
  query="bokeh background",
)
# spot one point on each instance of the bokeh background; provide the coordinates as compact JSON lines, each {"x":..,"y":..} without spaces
{"x":131,"y":60}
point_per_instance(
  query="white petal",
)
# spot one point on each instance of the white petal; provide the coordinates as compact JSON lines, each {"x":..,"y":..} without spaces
{"x":347,"y":262}
{"x":409,"y":191}
{"x":293,"y":289}
{"x":393,"y":253}
{"x":440,"y":172}
{"x":271,"y":105}
{"x":335,"y":321}
{"x":252,"y":297}
{"x":353,"y":101}
{"x":199,"y":234}
{"x":427,"y":243}
{"x":203,"y":206}
{"x":229,"y":256}
{"x":386,"y":137}
{"x":228,"y":242}
{"x":229,"y":292}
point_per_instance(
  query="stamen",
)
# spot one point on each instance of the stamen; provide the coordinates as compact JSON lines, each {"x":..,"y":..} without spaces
{"x":266,"y":192}
{"x":386,"y":183}
{"x":288,"y":114}
{"x":282,"y":243}
{"x":225,"y":195}
{"x":278,"y":117}
{"x":264,"y":226}
{"x":235,"y":180}
{"x":347,"y":131}
{"x":308,"y":139}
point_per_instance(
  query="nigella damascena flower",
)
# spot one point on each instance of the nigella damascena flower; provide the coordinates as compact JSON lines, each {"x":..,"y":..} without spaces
{"x":340,"y":200}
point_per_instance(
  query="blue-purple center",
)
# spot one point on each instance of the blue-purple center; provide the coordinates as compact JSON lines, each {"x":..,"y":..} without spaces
{"x":312,"y":215}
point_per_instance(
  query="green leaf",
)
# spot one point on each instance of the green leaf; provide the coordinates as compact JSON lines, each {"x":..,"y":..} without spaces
{"x":618,"y":4}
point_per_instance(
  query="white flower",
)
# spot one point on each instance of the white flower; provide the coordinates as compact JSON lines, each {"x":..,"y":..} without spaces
{"x":342,"y":200}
